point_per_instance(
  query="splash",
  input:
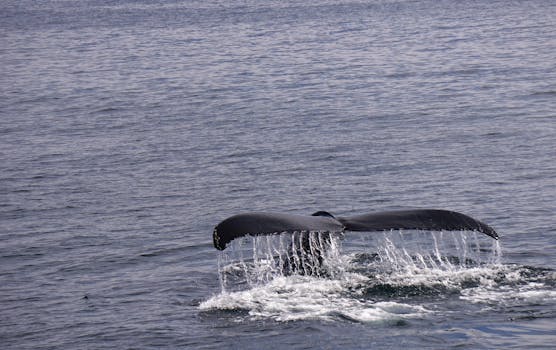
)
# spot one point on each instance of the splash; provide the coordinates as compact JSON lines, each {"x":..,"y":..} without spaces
{"x":255,"y":261}
{"x":388,"y":277}
{"x":428,"y":261}
{"x":437,"y":250}
{"x":306,"y":297}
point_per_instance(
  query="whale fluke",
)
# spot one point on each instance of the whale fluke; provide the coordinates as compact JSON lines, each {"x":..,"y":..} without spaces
{"x":260,"y":223}
{"x":255,"y":224}
{"x":417,"y":219}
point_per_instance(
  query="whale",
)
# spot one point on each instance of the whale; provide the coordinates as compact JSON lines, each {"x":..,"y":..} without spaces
{"x":272,"y":223}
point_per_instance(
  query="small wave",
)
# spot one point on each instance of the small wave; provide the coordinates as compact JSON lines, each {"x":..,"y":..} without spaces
{"x":548,"y":93}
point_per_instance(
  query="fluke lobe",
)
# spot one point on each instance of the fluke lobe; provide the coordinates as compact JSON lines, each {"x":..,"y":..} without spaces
{"x":261,"y":223}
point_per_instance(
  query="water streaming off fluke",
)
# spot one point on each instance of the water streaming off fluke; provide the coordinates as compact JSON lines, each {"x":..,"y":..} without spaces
{"x":381,"y":277}
{"x":254,"y":261}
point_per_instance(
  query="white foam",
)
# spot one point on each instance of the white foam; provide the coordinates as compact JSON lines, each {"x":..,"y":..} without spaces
{"x":341,"y":286}
{"x":301,"y":298}
{"x":449,"y":278}
{"x":531,"y":293}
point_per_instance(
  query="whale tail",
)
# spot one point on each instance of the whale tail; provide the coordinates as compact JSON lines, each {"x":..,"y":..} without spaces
{"x":416,"y":219}
{"x":255,"y":224}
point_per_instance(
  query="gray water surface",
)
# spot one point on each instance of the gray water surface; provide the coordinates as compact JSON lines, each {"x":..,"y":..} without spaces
{"x":129,"y":129}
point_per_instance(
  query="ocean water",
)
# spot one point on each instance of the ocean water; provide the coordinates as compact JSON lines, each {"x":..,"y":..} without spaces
{"x":129,"y":129}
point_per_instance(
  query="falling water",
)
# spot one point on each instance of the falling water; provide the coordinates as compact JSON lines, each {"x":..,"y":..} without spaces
{"x":384,"y":277}
{"x":254,"y":261}
{"x":436,"y":250}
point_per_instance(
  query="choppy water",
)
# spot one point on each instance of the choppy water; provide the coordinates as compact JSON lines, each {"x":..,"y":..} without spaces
{"x":129,"y":129}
